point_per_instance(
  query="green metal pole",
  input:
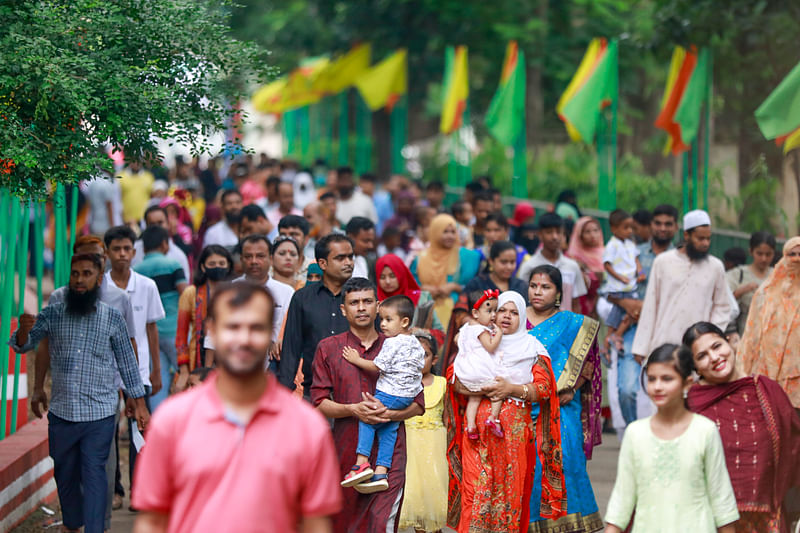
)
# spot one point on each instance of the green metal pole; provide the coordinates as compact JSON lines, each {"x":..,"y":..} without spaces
{"x":22,"y":260}
{"x":695,"y":176}
{"x":685,"y":169}
{"x":399,"y":130}
{"x":344,"y":129}
{"x":8,"y":301}
{"x":466,"y":167}
{"x":38,"y":250}
{"x":612,"y":145}
{"x":73,"y":217}
{"x":603,"y":178}
{"x":519,"y":185}
{"x":304,"y":131}
{"x":707,"y":130}
{"x":363,"y":136}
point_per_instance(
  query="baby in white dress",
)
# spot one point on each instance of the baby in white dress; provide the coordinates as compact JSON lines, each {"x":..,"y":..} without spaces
{"x":476,"y":365}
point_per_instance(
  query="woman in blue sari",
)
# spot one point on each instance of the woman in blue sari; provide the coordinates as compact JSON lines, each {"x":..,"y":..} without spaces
{"x":571,"y":341}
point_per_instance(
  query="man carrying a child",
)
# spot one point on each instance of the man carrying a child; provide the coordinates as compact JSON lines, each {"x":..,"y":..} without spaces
{"x":343,"y":392}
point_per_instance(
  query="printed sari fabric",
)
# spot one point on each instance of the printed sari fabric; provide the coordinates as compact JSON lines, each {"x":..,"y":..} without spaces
{"x":192,"y":313}
{"x":491,"y":478}
{"x":770,"y":341}
{"x":761,"y":437}
{"x":571,"y":341}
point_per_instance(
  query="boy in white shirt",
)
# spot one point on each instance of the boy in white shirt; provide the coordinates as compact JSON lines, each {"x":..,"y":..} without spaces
{"x":621,"y":262}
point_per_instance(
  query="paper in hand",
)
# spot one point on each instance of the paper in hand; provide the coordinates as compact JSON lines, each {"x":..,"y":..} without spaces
{"x":137,"y":438}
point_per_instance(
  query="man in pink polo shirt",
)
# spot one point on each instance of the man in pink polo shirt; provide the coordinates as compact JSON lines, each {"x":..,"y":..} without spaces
{"x":240,"y":452}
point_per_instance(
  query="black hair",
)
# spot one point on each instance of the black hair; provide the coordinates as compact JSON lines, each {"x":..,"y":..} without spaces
{"x":567,"y":196}
{"x":242,"y":292}
{"x":643,"y":217}
{"x":323,"y":247}
{"x":551,"y":272}
{"x":390,"y":231}
{"x":695,"y":331}
{"x":499,"y":247}
{"x":153,"y":209}
{"x":212,"y":249}
{"x":358,"y":224}
{"x":762,"y":237}
{"x":252,"y":212}
{"x":472,"y":299}
{"x":735,"y":255}
{"x":273,"y":181}
{"x":280,"y":239}
{"x":493,"y":191}
{"x":475,"y":187}
{"x":254,"y":238}
{"x":458,"y":207}
{"x":344,"y":170}
{"x":229,"y":192}
{"x":550,"y":220}
{"x":402,"y":304}
{"x":499,"y":218}
{"x":294,"y":221}
{"x":368,"y":176}
{"x":327,"y":195}
{"x":482,"y":196}
{"x":617,"y":217}
{"x":669,"y":353}
{"x":358,"y":284}
{"x":95,"y":259}
{"x":153,"y":237}
{"x":434,"y":185}
{"x":666,"y":209}
{"x":118,"y":233}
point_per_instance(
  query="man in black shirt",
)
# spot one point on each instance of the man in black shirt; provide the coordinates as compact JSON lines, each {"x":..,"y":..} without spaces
{"x":315,"y":310}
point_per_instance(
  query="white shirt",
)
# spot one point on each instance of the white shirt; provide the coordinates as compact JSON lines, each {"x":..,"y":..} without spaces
{"x":173,"y":253}
{"x":282,"y":294}
{"x":622,"y":256}
{"x":360,"y":269}
{"x":358,"y":205}
{"x":147,"y":309}
{"x":400,"y":361}
{"x":222,"y":234}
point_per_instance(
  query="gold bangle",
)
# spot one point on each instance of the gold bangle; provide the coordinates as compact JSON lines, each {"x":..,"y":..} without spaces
{"x":524,"y":393}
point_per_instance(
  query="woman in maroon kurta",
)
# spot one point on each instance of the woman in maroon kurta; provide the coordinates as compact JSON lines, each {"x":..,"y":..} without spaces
{"x":760,"y":429}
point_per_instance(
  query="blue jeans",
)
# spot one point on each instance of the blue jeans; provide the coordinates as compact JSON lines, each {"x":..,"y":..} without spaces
{"x":617,"y":312}
{"x":169,"y":365}
{"x":628,"y":372}
{"x":386,"y":431}
{"x":80,"y":452}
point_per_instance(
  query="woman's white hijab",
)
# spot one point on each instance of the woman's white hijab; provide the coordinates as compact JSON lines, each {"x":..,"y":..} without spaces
{"x":519,"y":350}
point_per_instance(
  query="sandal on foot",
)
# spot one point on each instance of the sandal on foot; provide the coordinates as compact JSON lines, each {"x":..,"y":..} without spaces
{"x":357,"y":474}
{"x":378,"y":483}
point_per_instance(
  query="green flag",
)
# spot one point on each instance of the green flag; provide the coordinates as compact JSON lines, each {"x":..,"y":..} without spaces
{"x":593,"y":87}
{"x":779,"y":115}
{"x":506,"y":115}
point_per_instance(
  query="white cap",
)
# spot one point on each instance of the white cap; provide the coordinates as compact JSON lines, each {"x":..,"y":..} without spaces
{"x":695,"y":218}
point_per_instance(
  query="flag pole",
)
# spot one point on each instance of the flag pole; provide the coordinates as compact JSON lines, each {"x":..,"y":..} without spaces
{"x":519,"y":186}
{"x":399,"y":131}
{"x":695,"y":176}
{"x":685,"y":171}
{"x":707,"y":129}
{"x":344,"y":135}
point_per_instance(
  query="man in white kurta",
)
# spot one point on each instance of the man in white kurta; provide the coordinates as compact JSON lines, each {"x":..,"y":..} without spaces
{"x":686,"y":285}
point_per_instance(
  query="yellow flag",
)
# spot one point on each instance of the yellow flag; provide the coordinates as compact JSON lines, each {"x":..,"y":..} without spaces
{"x":792,"y":141}
{"x":383,"y":84}
{"x":267,"y":99}
{"x":456,"y":93}
{"x":342,"y":73}
{"x":585,"y":69}
{"x":300,"y":90}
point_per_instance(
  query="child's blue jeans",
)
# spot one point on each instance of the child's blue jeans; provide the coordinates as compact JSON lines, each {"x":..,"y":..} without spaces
{"x":386,"y":431}
{"x":617,"y":312}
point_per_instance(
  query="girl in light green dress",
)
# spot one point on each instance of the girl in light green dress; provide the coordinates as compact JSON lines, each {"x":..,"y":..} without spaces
{"x":671,"y":468}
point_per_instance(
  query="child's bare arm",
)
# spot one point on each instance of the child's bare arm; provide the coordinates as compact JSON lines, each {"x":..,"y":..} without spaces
{"x":491,"y":342}
{"x":640,"y":277}
{"x":353,"y":357}
{"x":613,"y":273}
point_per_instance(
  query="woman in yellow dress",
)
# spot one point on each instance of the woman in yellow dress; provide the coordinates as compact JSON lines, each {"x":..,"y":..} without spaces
{"x":425,"y":503}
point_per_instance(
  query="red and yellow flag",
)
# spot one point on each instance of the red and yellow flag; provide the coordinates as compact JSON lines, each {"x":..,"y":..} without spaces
{"x":384,"y":84}
{"x":456,"y":92}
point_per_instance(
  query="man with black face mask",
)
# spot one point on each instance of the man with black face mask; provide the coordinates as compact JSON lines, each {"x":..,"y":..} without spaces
{"x":90,"y":343}
{"x":686,"y":285}
{"x":226,"y":231}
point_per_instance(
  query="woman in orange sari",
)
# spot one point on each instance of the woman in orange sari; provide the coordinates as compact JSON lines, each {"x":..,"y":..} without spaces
{"x":491,"y":478}
{"x":772,"y":335}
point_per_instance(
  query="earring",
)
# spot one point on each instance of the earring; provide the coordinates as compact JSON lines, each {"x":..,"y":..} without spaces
{"x":558,"y":300}
{"x":685,"y":393}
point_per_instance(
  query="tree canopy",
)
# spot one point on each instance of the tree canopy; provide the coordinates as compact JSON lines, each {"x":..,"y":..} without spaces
{"x":76,"y":75}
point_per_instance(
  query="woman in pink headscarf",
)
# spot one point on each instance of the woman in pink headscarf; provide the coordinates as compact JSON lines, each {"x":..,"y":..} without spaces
{"x":586,"y":247}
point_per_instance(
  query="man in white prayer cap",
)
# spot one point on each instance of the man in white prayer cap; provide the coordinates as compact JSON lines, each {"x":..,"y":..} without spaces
{"x":686,"y":285}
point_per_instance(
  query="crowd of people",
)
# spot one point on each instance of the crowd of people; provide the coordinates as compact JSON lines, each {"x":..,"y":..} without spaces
{"x":325,"y":354}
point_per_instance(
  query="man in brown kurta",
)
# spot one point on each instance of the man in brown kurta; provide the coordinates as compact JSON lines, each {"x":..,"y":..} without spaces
{"x":343,"y":392}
